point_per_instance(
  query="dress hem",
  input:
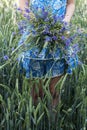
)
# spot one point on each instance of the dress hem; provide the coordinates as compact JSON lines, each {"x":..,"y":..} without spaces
{"x":46,"y":76}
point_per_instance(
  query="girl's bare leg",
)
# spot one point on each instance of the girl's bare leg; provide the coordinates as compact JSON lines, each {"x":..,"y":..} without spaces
{"x":38,"y":93}
{"x":54,"y":93}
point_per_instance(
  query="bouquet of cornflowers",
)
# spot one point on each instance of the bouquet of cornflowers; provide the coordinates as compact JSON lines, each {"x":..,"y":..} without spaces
{"x":48,"y":30}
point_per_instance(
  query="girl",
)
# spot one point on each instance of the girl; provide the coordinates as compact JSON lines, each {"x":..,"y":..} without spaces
{"x":40,"y":67}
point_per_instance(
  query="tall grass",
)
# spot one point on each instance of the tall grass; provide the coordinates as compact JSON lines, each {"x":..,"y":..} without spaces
{"x":17,"y":110}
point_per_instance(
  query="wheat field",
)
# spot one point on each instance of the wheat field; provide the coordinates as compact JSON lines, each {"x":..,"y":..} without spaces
{"x":17,"y":111}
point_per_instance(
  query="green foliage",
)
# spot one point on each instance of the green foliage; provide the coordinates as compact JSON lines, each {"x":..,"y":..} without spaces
{"x":17,"y":109}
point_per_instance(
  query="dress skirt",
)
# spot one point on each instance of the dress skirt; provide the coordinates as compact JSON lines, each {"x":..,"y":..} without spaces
{"x":47,"y":63}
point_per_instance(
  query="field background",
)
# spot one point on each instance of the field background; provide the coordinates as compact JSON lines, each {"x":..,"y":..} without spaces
{"x":17,"y":111}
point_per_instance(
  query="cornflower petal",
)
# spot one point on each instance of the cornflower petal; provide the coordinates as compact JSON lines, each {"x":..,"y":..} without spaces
{"x":27,"y":10}
{"x":67,"y":42}
{"x":55,"y":18}
{"x":27,"y":16}
{"x":6,"y":57}
{"x":63,"y":38}
{"x":54,"y":38}
{"x":44,"y":13}
{"x":47,"y":39}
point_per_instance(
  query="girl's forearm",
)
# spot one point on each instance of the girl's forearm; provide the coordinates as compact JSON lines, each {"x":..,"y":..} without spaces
{"x":23,"y":4}
{"x":69,"y":11}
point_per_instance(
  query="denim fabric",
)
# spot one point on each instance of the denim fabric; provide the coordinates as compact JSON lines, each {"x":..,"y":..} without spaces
{"x":43,"y":68}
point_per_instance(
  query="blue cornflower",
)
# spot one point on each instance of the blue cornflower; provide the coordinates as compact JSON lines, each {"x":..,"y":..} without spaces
{"x":46,"y":30}
{"x":44,"y":14}
{"x":21,"y":29}
{"x":55,"y":18}
{"x":62,"y":29}
{"x":48,"y":39}
{"x":22,"y":24}
{"x":63,"y":38}
{"x":27,"y":16}
{"x":76,"y":48}
{"x":19,"y":9}
{"x":67,"y":42}
{"x":54,"y":38}
{"x":27,"y":10}
{"x":47,"y":19}
{"x":6,"y":57}
{"x":65,"y":23}
{"x":43,"y":9}
{"x":21,"y":32}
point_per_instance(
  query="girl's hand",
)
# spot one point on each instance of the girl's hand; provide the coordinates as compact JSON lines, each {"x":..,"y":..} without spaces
{"x":69,"y":10}
{"x":66,"y":20}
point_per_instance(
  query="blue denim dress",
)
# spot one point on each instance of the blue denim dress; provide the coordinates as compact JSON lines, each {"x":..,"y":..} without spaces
{"x":47,"y":63}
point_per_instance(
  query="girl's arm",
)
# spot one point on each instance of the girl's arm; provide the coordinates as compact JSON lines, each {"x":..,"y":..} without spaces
{"x":69,"y":10}
{"x":23,"y":4}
